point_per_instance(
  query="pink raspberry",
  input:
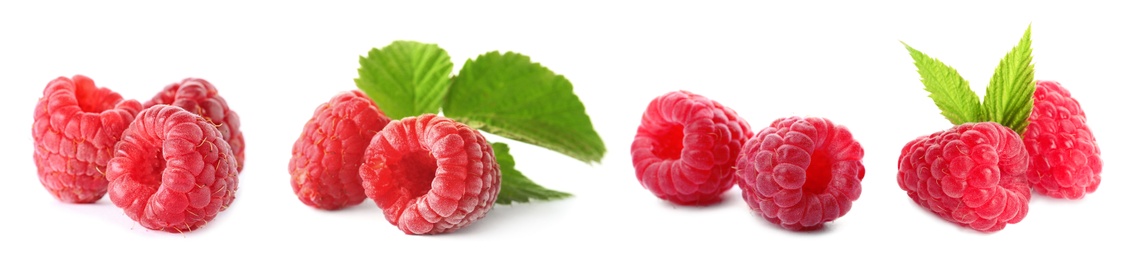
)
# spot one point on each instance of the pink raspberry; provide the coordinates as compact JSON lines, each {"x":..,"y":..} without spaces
{"x":75,"y":128}
{"x":1066,"y":161}
{"x":799,"y":173}
{"x":686,"y":146}
{"x":172,"y":170}
{"x":973,"y":174}
{"x":430,"y":174}
{"x":325,"y":159}
{"x":201,"y":97}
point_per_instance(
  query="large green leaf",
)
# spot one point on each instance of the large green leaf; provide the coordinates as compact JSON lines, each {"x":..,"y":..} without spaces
{"x":510,"y":96}
{"x":406,"y":78}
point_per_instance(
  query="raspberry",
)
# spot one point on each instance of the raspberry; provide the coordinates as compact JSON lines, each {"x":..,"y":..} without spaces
{"x":685,"y":148}
{"x":75,"y":128}
{"x":430,"y":174}
{"x":172,"y":170}
{"x":326,"y":157}
{"x":1066,"y":161}
{"x":799,"y":173}
{"x":973,"y":174}
{"x":201,"y":97}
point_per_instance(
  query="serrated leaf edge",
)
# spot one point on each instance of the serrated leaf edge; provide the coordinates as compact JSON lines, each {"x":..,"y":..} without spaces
{"x":1008,"y":112}
{"x":379,"y":63}
{"x":959,"y":104}
{"x":481,"y":121}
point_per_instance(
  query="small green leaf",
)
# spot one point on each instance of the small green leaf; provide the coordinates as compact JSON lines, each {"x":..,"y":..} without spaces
{"x":1008,"y":100}
{"x":515,"y":186}
{"x":510,"y":96}
{"x":948,"y":89}
{"x":406,"y":78}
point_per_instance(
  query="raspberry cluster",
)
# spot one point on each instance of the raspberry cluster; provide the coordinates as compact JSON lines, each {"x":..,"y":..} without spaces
{"x":797,"y":173}
{"x":170,"y":168}
{"x":1025,"y":134}
{"x":981,"y":174}
{"x":429,"y":174}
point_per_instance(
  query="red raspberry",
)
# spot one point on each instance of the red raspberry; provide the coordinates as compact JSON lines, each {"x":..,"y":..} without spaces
{"x":685,"y":148}
{"x":201,"y":97}
{"x":972,"y":174}
{"x":172,"y":170}
{"x":430,"y":174}
{"x":801,"y":172}
{"x":326,"y":157}
{"x":1066,"y":161}
{"x":76,"y":126}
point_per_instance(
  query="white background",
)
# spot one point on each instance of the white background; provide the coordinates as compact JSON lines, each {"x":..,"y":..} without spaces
{"x":275,"y":62}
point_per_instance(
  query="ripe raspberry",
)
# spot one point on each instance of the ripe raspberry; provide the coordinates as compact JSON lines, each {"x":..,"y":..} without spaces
{"x":201,"y":97}
{"x":172,"y":170}
{"x":801,"y":172}
{"x":430,"y":174}
{"x":1066,"y":161}
{"x":326,"y":157}
{"x":685,"y":148}
{"x":75,"y":128}
{"x":973,"y":174}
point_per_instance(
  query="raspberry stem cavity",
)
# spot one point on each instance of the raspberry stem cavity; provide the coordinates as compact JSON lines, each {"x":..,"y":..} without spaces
{"x":415,"y":170}
{"x":818,"y":173}
{"x":669,"y":145}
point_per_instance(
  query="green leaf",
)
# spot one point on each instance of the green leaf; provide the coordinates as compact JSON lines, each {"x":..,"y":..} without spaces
{"x":515,"y":186}
{"x":1008,"y":100}
{"x":948,"y":89}
{"x":406,"y":78}
{"x":510,"y":96}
